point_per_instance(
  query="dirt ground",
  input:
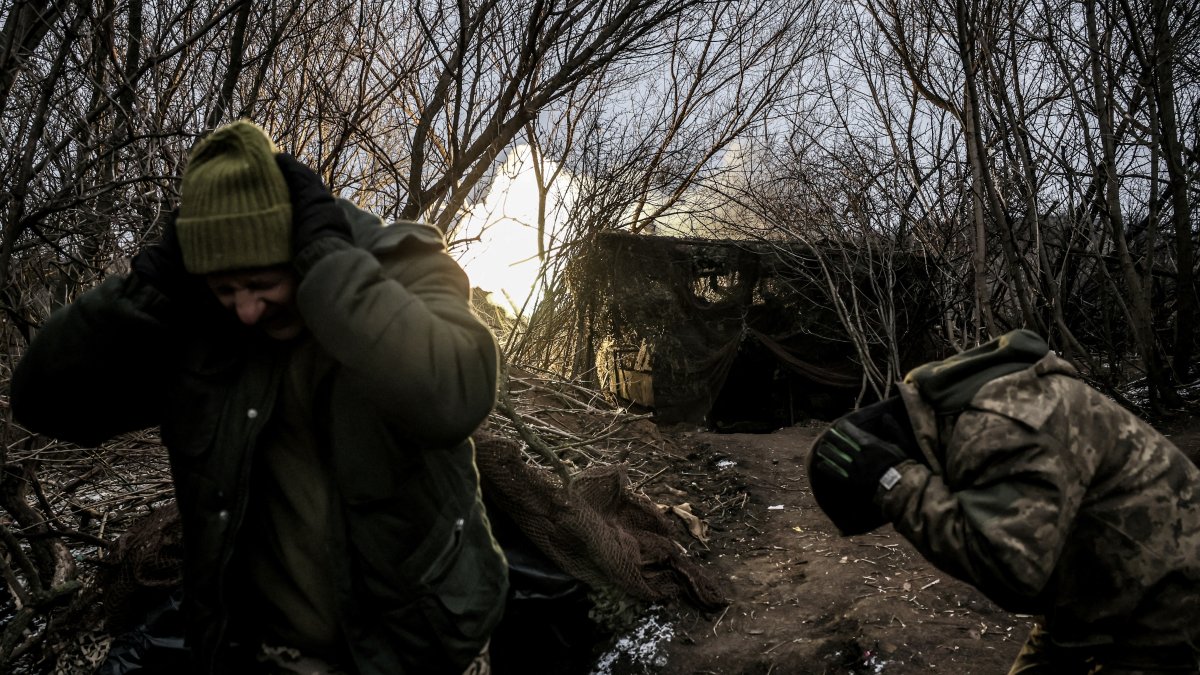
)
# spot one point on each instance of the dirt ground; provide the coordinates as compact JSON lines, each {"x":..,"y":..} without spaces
{"x":804,"y":599}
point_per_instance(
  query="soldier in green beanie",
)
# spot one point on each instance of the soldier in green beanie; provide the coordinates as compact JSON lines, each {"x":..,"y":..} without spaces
{"x":316,"y":376}
{"x":1005,"y":470}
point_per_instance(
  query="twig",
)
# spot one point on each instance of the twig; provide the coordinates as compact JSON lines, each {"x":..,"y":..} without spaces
{"x":531,"y":439}
{"x":71,"y":534}
{"x":9,"y":649}
{"x":780,"y":645}
{"x":74,"y":483}
{"x":14,"y":549}
{"x":638,"y":485}
{"x":719,"y":620}
{"x":611,"y":431}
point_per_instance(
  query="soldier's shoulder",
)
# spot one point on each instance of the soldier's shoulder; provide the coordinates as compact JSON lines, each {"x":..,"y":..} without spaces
{"x":1032,"y":395}
{"x":372,"y":233}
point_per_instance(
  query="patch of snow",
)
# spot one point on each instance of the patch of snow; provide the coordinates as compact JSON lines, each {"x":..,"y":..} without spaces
{"x":726,"y":463}
{"x":644,"y":645}
{"x":1138,"y":391}
{"x":871,"y":660}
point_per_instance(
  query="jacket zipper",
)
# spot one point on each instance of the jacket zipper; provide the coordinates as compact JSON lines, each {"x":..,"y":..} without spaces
{"x":258,"y":418}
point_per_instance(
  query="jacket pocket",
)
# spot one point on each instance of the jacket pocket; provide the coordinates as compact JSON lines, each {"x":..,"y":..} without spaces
{"x":459,"y":600}
{"x":470,"y":583}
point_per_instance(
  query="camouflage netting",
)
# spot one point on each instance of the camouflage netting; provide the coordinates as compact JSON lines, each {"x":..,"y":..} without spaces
{"x":595,"y":529}
{"x":143,"y":563}
{"x":705,"y":304}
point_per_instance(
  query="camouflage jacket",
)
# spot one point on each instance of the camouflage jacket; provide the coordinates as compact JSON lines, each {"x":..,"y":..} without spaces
{"x":1053,"y":500}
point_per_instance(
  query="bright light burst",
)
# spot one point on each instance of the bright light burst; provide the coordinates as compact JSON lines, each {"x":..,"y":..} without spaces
{"x":504,"y":259}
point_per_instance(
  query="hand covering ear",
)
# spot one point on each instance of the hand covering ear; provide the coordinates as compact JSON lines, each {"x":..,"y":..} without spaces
{"x":316,"y":216}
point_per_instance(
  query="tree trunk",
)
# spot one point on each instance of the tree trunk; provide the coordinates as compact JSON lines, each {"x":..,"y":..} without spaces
{"x":1185,"y":290}
{"x":27,"y":23}
{"x":1160,"y":390}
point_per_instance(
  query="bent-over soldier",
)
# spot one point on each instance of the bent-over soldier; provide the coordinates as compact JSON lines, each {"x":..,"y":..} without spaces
{"x":1006,"y":470}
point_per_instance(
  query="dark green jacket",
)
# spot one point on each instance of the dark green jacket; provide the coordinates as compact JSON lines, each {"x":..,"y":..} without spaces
{"x":410,"y":374}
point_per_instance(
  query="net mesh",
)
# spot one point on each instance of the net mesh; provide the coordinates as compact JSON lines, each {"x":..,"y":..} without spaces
{"x":145,"y":561}
{"x":703,"y":305}
{"x":595,"y":530}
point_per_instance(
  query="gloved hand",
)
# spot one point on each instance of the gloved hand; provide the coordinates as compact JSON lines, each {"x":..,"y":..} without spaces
{"x":315,"y":214}
{"x":161,"y":265}
{"x":857,"y":459}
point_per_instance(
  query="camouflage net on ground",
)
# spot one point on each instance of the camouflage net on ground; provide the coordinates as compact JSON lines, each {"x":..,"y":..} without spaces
{"x":144,"y":562}
{"x":595,"y":530}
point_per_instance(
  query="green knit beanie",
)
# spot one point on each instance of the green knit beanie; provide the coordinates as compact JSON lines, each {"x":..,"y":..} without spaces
{"x":950,"y":384}
{"x":234,"y":210}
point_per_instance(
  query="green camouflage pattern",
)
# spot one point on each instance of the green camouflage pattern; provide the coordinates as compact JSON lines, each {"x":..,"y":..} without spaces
{"x":1053,"y":500}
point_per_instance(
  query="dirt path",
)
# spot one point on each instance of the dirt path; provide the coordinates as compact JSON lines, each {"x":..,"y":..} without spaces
{"x":803,"y":598}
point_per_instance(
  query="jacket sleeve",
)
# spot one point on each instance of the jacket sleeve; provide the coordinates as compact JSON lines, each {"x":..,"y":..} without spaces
{"x":998,"y":518}
{"x":97,"y":367}
{"x":399,"y":322}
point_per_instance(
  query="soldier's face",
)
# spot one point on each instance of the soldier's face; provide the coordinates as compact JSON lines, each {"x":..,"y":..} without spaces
{"x":263,"y":297}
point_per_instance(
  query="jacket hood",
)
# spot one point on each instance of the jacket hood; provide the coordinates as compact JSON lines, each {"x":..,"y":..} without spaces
{"x":931,"y":419}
